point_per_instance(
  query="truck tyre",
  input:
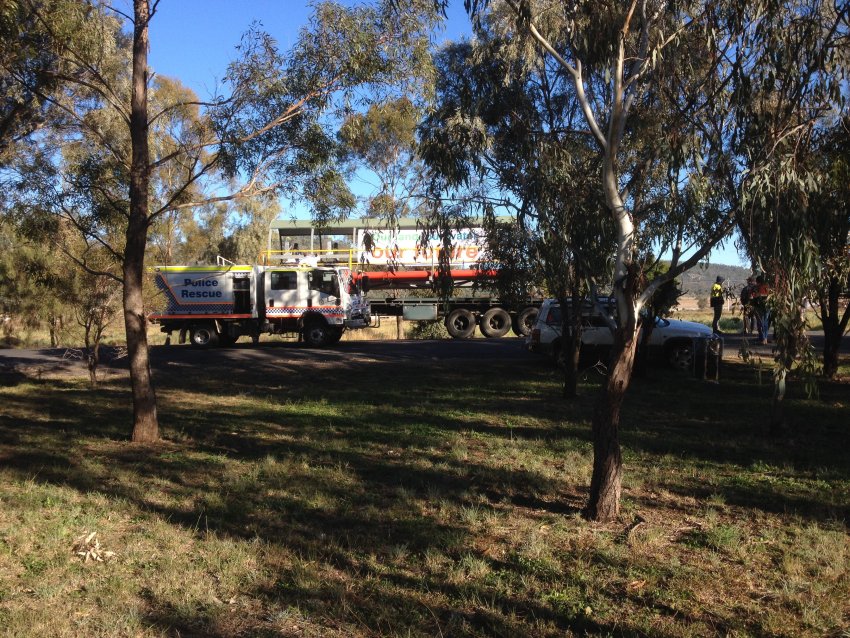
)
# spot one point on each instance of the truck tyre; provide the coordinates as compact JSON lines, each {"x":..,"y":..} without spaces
{"x":524,"y":321}
{"x":495,"y":323}
{"x":334,"y":336}
{"x":317,"y":334}
{"x":460,"y":323}
{"x":203,"y":336}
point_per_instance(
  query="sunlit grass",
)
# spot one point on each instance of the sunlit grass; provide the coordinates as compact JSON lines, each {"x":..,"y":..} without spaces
{"x":420,"y":500}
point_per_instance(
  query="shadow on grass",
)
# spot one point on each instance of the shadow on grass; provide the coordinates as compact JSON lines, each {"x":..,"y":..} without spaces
{"x":721,"y":431}
{"x":349,"y":466}
{"x":344,"y":488}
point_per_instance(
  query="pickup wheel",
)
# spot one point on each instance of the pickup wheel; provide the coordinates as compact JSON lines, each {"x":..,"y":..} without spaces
{"x":681,"y":356}
{"x":460,"y":323}
{"x":203,"y":336}
{"x":317,"y":334}
{"x":495,"y":323}
{"x":523,"y":323}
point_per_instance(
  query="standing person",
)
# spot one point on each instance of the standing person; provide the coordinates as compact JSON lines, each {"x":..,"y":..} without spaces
{"x":717,"y":303}
{"x":747,"y":315}
{"x":760,"y":308}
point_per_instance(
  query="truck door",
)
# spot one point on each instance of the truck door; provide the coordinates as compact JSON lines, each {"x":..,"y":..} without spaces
{"x":242,"y":295}
{"x":282,"y":298}
{"x":324,"y":287}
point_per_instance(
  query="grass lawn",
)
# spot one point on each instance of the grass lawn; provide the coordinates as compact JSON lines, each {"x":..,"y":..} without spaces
{"x":419,"y":500}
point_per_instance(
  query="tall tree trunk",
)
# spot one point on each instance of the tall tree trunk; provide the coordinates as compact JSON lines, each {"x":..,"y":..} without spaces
{"x":145,"y":423}
{"x":92,"y":354}
{"x":789,"y":345}
{"x":571,"y":348}
{"x":572,"y":359}
{"x":831,"y":343}
{"x":54,"y":333}
{"x":834,"y":326}
{"x":778,"y":425}
{"x":606,"y":483}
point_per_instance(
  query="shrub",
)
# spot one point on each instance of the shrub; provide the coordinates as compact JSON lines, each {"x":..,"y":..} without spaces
{"x":731,"y":324}
{"x":427,"y":330}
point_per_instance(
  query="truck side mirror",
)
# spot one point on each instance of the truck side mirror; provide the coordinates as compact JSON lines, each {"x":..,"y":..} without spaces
{"x":364,"y":284}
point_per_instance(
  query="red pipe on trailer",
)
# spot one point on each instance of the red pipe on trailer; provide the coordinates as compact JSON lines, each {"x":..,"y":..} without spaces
{"x":421,"y":276}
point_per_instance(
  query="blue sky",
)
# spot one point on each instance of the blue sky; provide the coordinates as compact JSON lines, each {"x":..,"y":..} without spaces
{"x":194,"y":40}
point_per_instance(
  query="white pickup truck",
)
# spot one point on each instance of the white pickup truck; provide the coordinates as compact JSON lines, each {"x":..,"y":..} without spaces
{"x":671,"y":340}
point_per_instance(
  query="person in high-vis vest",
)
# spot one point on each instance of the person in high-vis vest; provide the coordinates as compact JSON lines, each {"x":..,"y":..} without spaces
{"x":717,"y":303}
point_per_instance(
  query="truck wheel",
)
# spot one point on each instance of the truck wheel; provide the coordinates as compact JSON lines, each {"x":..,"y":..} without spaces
{"x":495,"y":323}
{"x":203,"y":336}
{"x":317,"y":334}
{"x":335,"y":334}
{"x":524,"y":321}
{"x":460,"y":323}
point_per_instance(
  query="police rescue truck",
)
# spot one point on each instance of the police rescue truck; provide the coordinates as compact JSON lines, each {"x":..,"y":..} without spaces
{"x":215,"y":305}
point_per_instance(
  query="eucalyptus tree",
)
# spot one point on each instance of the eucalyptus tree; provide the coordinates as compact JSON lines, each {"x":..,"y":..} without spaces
{"x":614,"y":110}
{"x":791,"y":105}
{"x":94,"y":300}
{"x":503,"y":132}
{"x":678,"y":74}
{"x":270,"y":130}
{"x":801,"y":243}
{"x":379,"y":147}
{"x":33,"y":36}
{"x":829,"y":223}
{"x":32,"y":288}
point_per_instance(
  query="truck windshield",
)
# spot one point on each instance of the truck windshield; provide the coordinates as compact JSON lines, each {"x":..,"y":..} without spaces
{"x":324,"y":281}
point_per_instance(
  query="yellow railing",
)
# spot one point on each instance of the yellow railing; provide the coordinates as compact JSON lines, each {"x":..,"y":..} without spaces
{"x":299,"y":256}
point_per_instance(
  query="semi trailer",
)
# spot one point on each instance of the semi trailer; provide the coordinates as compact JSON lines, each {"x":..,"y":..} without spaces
{"x":401,"y":259}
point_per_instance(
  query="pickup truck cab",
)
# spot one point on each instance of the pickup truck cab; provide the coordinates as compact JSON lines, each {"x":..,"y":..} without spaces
{"x":672,"y":341}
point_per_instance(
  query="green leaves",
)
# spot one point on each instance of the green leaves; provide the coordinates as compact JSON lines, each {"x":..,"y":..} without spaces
{"x":279,"y":127}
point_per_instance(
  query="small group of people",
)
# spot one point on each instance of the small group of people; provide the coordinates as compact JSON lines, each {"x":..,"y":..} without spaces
{"x":756,"y":313}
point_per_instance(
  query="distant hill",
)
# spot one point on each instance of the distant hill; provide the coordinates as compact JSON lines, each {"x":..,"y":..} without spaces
{"x":697,"y":281}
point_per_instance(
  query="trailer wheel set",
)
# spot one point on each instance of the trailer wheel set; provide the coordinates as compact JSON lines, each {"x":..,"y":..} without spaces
{"x":494,"y":323}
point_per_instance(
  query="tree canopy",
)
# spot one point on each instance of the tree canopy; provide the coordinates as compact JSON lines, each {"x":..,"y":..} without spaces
{"x":125,"y":152}
{"x":690,"y":107}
